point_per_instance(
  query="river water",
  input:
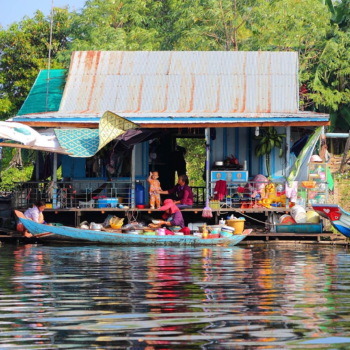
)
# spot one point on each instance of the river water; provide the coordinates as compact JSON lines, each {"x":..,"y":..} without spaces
{"x":295,"y":297}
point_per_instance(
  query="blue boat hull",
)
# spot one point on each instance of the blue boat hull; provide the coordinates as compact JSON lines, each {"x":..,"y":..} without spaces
{"x":77,"y":234}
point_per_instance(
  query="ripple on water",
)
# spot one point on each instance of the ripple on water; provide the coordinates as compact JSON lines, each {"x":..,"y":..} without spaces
{"x":174,"y":298}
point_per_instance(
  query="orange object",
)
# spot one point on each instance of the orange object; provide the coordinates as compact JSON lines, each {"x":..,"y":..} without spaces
{"x":308,"y":184}
{"x":287,"y":219}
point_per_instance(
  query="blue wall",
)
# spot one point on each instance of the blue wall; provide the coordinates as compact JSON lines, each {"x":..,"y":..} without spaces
{"x":240,"y":143}
{"x":75,"y":167}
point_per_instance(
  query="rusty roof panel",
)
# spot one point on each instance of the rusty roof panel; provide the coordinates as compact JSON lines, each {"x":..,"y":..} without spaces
{"x":182,"y":82}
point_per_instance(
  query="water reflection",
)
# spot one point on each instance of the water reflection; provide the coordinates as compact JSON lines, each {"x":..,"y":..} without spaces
{"x":170,"y":298}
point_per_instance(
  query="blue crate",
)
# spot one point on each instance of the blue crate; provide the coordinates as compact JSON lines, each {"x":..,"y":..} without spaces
{"x":107,"y":203}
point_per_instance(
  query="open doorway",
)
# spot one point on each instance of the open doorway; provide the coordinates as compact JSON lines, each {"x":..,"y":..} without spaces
{"x":193,"y":150}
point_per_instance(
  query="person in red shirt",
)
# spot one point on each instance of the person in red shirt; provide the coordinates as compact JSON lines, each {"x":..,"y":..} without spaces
{"x":183,"y":193}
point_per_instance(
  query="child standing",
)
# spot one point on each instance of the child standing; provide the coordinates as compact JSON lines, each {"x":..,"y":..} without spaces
{"x":154,"y":190}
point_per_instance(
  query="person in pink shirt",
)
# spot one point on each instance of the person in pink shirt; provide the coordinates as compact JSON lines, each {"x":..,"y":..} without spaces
{"x":183,"y":193}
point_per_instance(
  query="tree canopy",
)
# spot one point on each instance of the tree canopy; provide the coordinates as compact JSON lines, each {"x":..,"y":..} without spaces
{"x":319,"y":30}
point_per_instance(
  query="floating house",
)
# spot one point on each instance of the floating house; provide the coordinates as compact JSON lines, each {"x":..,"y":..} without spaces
{"x":225,"y":97}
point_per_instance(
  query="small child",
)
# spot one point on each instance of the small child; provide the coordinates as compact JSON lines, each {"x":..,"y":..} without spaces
{"x":154,"y":190}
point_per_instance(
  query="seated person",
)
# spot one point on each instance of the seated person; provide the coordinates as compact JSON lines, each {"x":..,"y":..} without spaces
{"x":36,"y":213}
{"x":183,"y":192}
{"x":172,"y":217}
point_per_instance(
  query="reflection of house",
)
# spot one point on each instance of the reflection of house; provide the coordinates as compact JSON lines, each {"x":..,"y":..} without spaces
{"x":180,"y":92}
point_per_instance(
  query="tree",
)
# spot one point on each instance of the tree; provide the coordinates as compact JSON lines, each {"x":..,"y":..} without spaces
{"x":24,"y":50}
{"x":116,"y":25}
{"x":211,"y":24}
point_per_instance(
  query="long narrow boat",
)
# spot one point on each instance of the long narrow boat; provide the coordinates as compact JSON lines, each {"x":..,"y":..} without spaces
{"x":339,"y":218}
{"x":39,"y":230}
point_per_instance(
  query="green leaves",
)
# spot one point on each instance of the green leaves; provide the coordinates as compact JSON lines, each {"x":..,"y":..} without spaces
{"x":24,"y":47}
{"x":268,"y":142}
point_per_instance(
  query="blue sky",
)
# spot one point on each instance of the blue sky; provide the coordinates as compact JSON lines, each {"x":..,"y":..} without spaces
{"x":14,"y":10}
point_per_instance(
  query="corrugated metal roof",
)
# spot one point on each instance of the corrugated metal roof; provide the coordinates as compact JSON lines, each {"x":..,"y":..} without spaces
{"x":36,"y":100}
{"x":176,"y":82}
{"x":178,"y":118}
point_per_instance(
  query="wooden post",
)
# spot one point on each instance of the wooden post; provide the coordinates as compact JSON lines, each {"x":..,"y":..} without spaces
{"x":54,"y":179}
{"x":133,"y":176}
{"x":345,"y":156}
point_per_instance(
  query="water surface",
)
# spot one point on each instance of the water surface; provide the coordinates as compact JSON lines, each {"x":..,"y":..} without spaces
{"x":294,"y":297}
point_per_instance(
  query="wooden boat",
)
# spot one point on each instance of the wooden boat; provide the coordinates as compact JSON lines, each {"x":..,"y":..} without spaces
{"x":339,"y":218}
{"x":42,"y":231}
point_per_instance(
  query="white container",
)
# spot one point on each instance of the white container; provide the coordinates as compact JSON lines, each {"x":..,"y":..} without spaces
{"x":228,"y":228}
{"x":95,"y":227}
{"x":161,"y":232}
{"x":298,"y":213}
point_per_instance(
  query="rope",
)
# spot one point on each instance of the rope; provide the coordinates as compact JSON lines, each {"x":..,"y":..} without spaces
{"x":262,"y":222}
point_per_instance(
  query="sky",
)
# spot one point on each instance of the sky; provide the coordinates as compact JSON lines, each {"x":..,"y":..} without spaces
{"x":14,"y":10}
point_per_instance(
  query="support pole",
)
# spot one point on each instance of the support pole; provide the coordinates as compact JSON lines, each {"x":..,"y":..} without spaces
{"x":37,"y":164}
{"x":287,"y":150}
{"x":54,"y":179}
{"x":0,"y":160}
{"x":207,"y":162}
{"x":133,"y":177}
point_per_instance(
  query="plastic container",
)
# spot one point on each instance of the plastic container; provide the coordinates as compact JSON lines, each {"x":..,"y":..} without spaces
{"x":237,"y":224}
{"x":160,"y":232}
{"x":139,"y":194}
{"x":149,"y":233}
{"x":300,"y":228}
{"x":226,"y":233}
{"x":312,"y":217}
{"x":298,"y":213}
{"x":214,"y":236}
{"x":107,"y":202}
{"x":286,"y":219}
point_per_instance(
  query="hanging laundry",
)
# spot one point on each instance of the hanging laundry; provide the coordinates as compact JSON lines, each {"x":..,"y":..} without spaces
{"x":220,"y":190}
{"x":292,"y":190}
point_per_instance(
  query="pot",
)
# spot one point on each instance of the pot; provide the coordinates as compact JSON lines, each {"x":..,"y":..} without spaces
{"x":219,"y":163}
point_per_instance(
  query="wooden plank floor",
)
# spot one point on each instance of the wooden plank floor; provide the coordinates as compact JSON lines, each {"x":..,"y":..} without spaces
{"x":238,"y":210}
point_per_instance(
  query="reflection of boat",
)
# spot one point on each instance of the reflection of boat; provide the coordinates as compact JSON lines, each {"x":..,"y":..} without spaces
{"x":339,"y":218}
{"x":121,"y":238}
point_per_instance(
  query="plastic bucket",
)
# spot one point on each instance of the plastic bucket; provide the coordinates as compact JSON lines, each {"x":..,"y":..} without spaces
{"x":286,"y":219}
{"x":298,"y":213}
{"x":237,"y":224}
{"x":312,"y":217}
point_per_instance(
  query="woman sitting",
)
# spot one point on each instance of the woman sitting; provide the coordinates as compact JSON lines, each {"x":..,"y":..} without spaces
{"x":36,"y":213}
{"x":183,"y":192}
{"x":172,"y":217}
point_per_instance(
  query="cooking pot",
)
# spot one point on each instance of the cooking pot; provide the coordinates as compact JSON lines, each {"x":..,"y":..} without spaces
{"x":219,"y":163}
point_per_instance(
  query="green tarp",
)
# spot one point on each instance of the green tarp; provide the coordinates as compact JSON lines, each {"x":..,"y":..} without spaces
{"x":36,"y":100}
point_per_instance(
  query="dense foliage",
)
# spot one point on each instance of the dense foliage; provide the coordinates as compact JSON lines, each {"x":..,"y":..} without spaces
{"x":318,"y":30}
